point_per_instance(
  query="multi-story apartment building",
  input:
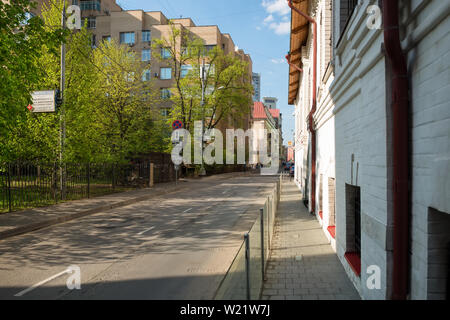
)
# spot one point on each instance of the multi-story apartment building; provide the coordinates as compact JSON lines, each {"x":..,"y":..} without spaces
{"x":136,"y":28}
{"x":256,"y":78}
{"x":373,"y":139}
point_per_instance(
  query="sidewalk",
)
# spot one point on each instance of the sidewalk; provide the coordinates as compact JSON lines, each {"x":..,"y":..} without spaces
{"x":303,"y":265}
{"x":16,"y":223}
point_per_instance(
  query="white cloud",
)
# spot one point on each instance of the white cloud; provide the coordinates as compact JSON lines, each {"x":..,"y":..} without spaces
{"x":276,"y":6}
{"x":278,"y":18}
{"x":268,"y":19}
{"x":281,"y":28}
{"x":277,"y":61}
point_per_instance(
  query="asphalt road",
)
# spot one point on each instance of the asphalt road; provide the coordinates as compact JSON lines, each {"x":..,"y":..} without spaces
{"x":178,"y":246}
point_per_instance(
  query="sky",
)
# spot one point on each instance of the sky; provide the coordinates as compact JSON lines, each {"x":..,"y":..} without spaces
{"x":259,"y":27}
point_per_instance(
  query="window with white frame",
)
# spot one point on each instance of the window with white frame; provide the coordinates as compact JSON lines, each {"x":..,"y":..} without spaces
{"x":165,"y":93}
{"x":165,"y":112}
{"x":185,"y":70}
{"x":166,"y":74}
{"x":146,"y":75}
{"x":146,"y":55}
{"x":146,"y":36}
{"x":165,"y":53}
{"x":127,"y":37}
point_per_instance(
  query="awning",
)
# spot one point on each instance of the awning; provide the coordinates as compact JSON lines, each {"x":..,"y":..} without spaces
{"x":299,"y":36}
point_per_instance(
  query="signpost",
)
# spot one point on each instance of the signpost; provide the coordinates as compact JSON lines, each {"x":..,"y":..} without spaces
{"x":43,"y":102}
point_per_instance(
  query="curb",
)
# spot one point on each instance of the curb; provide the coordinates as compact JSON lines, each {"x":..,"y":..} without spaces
{"x":59,"y":220}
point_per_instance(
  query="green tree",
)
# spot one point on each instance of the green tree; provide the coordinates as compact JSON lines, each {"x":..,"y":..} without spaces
{"x":126,"y":109}
{"x":22,"y":37}
{"x":227,"y":82}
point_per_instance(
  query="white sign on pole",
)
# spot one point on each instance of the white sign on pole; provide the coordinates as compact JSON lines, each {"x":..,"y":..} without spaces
{"x":43,"y":101}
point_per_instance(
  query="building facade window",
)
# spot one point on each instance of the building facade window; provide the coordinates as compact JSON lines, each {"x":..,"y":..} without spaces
{"x":165,"y":112}
{"x":146,"y":75}
{"x":91,"y":22}
{"x":146,"y":55}
{"x":165,"y":93}
{"x":346,"y":10}
{"x":166,"y":73}
{"x":106,"y":38}
{"x":165,"y":53}
{"x":127,"y":37}
{"x":185,"y":70}
{"x":88,"y":5}
{"x":146,"y":36}
{"x":209,"y":48}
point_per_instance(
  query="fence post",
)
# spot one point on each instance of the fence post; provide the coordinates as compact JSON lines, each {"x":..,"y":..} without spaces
{"x":88,"y":180}
{"x":9,"y":188}
{"x":152,"y":167}
{"x":263,"y":256}
{"x":247,"y":263}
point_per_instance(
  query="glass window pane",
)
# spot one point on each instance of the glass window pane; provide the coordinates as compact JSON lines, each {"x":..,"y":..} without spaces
{"x":146,"y":36}
{"x":166,"y":73}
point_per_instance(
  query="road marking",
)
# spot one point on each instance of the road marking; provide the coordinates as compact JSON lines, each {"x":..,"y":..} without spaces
{"x":145,"y":231}
{"x":21,"y":293}
{"x":187,"y":210}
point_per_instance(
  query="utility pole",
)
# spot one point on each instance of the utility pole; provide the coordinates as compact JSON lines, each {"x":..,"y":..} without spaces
{"x":62,"y":114}
{"x":202,"y":76}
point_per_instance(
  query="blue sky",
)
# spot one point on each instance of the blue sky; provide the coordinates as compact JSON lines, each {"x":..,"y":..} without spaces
{"x":259,"y":27}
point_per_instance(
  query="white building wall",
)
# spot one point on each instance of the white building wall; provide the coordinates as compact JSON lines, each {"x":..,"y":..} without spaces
{"x":429,"y":67}
{"x":359,"y":93}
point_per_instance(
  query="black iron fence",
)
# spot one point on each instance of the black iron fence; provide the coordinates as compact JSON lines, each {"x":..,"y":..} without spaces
{"x":27,"y":185}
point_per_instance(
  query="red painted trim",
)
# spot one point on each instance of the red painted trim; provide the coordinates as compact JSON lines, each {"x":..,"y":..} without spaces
{"x":332,"y":231}
{"x":354,"y":260}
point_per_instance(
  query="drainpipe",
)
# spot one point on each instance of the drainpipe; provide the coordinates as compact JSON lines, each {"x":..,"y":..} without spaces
{"x":311,"y":126}
{"x":400,"y":148}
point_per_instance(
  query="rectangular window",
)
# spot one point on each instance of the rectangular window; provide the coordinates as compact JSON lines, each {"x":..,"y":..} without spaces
{"x":165,"y":112}
{"x":165,"y":93}
{"x":146,"y":75}
{"x":185,"y":70}
{"x":165,"y":53}
{"x":89,"y":5}
{"x":208,"y":48}
{"x":146,"y":55}
{"x":127,"y":37}
{"x":90,"y":22}
{"x":106,"y":38}
{"x":146,"y":36}
{"x":346,"y":10}
{"x":166,"y":74}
